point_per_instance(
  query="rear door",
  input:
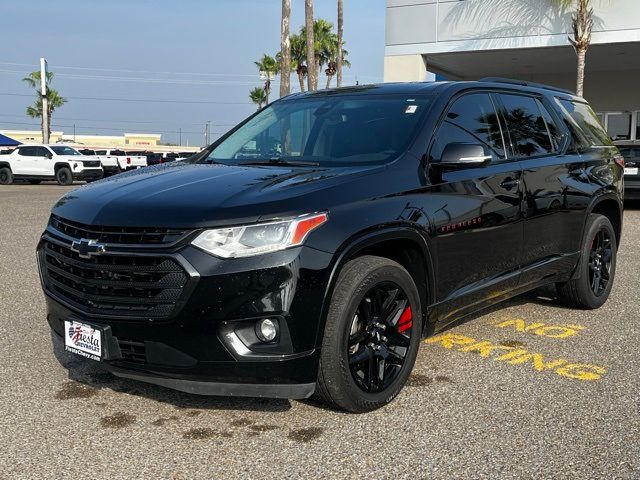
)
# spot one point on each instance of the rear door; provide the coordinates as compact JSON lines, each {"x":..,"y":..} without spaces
{"x":475,"y":208}
{"x":535,"y":137}
{"x":27,"y":161}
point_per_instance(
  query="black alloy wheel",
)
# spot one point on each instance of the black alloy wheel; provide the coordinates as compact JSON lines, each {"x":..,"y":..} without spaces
{"x":371,"y":336}
{"x":592,"y":279}
{"x":600,"y":255}
{"x":379,"y":337}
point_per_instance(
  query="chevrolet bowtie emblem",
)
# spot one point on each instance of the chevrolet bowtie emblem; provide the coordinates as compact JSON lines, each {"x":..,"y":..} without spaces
{"x":87,"y":248}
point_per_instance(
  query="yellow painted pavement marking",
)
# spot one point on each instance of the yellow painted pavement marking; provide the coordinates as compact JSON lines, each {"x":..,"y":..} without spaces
{"x":518,"y":356}
{"x":543,"y":329}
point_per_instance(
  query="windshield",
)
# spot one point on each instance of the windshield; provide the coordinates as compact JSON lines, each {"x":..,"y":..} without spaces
{"x":327,"y":131}
{"x":65,"y":151}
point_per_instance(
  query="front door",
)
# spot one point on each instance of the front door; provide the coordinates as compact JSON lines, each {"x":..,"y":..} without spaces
{"x":475,"y":209}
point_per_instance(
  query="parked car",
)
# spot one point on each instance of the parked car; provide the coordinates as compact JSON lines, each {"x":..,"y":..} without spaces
{"x":370,"y":218}
{"x":126,"y":161}
{"x":109,"y":163}
{"x":631,"y":154}
{"x":48,"y":162}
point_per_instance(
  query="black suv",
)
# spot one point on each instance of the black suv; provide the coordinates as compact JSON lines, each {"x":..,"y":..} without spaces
{"x":312,"y":247}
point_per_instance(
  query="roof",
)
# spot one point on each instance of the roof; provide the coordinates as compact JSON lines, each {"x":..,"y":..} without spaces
{"x":7,"y":142}
{"x":430,"y":88}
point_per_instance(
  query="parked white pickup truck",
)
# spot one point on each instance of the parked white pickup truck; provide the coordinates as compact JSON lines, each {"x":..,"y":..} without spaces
{"x":126,"y":161}
{"x":48,"y":162}
{"x":109,"y":163}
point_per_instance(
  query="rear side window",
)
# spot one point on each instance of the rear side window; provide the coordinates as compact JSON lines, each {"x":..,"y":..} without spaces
{"x":471,"y":119}
{"x":527,"y":126}
{"x":587,"y":122}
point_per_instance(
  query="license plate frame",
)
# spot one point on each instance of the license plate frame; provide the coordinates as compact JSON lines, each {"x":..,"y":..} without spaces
{"x":85,"y":340}
{"x":631,"y":170}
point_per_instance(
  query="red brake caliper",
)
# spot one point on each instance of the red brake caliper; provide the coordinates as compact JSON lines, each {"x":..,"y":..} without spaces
{"x":406,"y":320}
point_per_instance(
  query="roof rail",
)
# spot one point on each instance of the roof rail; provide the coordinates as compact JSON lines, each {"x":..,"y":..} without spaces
{"x":525,"y":84}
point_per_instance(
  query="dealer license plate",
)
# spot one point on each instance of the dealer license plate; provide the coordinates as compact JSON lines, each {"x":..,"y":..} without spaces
{"x":83,"y":339}
{"x":631,"y":171}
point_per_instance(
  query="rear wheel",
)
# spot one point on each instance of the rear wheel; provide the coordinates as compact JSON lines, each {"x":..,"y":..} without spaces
{"x":64,"y":176}
{"x":372,"y":335}
{"x":596,"y":268}
{"x":6,"y":177}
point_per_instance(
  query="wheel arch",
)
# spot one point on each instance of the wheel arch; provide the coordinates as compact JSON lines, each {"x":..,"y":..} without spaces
{"x":59,"y":165}
{"x":403,"y":244}
{"x":6,"y":165}
{"x":611,"y":207}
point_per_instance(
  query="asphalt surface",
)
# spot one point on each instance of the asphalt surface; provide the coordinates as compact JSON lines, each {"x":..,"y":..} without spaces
{"x":566,"y":406}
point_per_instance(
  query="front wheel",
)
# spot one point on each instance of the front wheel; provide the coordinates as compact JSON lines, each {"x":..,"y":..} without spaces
{"x":6,"y":177}
{"x":64,"y":176}
{"x":372,"y":335}
{"x":596,"y":268}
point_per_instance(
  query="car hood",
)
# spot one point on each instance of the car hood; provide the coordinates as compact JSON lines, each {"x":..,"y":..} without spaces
{"x":182,"y":195}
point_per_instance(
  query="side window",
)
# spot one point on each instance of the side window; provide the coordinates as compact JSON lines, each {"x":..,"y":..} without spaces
{"x":552,"y":128}
{"x":26,"y":151}
{"x":471,"y":119}
{"x":526,"y":126}
{"x":587,"y":122}
{"x":41,"y":152}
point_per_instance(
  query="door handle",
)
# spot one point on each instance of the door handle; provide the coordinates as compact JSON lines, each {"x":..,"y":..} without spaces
{"x":510,"y":183}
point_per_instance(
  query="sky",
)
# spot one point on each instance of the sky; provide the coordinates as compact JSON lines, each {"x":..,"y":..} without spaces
{"x":192,"y":58}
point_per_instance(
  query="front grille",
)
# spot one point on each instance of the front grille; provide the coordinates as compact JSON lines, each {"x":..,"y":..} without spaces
{"x":132,"y":351}
{"x":125,"y":235}
{"x":91,"y":163}
{"x":125,"y":286}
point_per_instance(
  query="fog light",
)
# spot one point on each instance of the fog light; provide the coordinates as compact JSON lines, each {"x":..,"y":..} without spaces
{"x":267,"y":330}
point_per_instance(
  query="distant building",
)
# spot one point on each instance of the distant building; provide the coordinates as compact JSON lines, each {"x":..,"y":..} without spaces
{"x":524,"y":39}
{"x":137,"y":141}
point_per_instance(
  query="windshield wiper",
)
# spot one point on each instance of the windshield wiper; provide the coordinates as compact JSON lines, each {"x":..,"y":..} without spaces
{"x":281,"y":161}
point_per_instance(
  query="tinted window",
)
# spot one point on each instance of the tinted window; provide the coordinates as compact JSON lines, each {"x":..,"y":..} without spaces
{"x":332,"y":130}
{"x":26,"y":151}
{"x":587,"y":122}
{"x":62,"y":150}
{"x":471,"y":119}
{"x":526,"y":126}
{"x":554,"y":132}
{"x":118,"y":153}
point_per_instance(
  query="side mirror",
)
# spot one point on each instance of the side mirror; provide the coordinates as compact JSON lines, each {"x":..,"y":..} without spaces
{"x":48,"y":155}
{"x":462,"y":155}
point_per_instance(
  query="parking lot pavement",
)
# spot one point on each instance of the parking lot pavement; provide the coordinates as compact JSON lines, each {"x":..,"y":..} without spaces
{"x":528,"y":389}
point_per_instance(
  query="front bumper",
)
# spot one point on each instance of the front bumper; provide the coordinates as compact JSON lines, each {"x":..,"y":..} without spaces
{"x":190,"y":351}
{"x":88,"y":174}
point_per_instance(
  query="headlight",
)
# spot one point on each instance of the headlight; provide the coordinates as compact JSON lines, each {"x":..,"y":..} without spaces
{"x":249,"y":240}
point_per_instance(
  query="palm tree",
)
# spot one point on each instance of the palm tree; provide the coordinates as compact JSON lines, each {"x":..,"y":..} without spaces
{"x":332,"y":65}
{"x":299,"y":57}
{"x":582,"y":25}
{"x":339,"y":60}
{"x":268,"y":67}
{"x":325,"y":44}
{"x":54,"y":100}
{"x":257,"y":96}
{"x":285,"y":49}
{"x":312,"y":72}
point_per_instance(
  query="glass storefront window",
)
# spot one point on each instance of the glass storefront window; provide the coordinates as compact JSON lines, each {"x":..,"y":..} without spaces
{"x":619,"y":125}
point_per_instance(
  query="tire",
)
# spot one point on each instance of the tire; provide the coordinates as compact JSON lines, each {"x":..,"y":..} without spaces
{"x":339,"y":385}
{"x":64,"y":176}
{"x":597,"y":264}
{"x":35,"y":182}
{"x":6,"y":177}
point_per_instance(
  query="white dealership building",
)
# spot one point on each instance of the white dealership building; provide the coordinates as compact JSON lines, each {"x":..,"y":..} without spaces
{"x":523,"y":39}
